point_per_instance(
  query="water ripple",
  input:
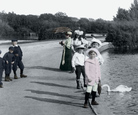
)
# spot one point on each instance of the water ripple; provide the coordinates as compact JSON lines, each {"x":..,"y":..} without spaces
{"x":117,"y":70}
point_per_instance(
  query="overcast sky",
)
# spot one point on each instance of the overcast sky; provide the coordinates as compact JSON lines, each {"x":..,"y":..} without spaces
{"x":95,"y":9}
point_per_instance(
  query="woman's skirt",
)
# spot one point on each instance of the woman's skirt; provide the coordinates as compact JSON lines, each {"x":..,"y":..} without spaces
{"x":66,"y":58}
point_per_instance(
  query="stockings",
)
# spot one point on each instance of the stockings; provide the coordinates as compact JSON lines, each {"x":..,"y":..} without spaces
{"x":93,"y":96}
{"x":21,"y":72}
{"x":87,"y":96}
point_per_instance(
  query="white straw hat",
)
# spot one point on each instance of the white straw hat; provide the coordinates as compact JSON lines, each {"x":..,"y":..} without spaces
{"x":97,"y":41}
{"x":92,"y":49}
{"x":69,"y":33}
{"x":78,"y":32}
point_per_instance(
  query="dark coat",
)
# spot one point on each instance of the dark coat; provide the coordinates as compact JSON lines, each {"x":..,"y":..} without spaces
{"x":9,"y":57}
{"x":2,"y":64}
{"x":17,"y":50}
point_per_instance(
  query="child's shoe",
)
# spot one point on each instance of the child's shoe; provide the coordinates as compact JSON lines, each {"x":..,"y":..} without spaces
{"x":85,"y":106}
{"x":94,"y":103}
{"x":6,"y":78}
{"x":1,"y":86}
{"x":22,"y":75}
{"x":9,"y":78}
{"x":15,"y":77}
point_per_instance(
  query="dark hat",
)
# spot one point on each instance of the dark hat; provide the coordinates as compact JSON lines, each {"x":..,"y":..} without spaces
{"x":14,"y":40}
{"x":0,"y":51}
{"x":11,"y":48}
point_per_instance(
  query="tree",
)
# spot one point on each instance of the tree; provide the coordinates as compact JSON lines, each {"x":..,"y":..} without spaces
{"x":47,"y":17}
{"x":84,"y":23}
{"x":122,"y":15}
{"x":5,"y":29}
{"x":60,"y":14}
{"x":134,"y":10}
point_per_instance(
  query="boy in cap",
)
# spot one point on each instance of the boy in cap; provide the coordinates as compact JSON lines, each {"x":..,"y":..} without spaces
{"x":18,"y":57}
{"x":9,"y":61}
{"x":1,"y":70}
{"x":78,"y":64}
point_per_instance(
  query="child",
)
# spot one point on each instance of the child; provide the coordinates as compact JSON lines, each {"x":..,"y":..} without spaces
{"x":95,"y":43}
{"x":9,"y":60}
{"x":93,"y":75}
{"x":78,"y":64}
{"x":1,"y":70}
{"x":18,"y":57}
{"x":79,"y":40}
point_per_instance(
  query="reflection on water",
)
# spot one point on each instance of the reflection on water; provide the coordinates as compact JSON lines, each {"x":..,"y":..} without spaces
{"x":121,"y":69}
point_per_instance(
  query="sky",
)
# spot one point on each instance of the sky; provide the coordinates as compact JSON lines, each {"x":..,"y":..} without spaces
{"x":94,"y":9}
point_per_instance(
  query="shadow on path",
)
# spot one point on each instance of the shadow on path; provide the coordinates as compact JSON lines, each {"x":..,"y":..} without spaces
{"x":45,"y":68}
{"x":55,"y":94}
{"x":52,"y":84}
{"x":55,"y":101}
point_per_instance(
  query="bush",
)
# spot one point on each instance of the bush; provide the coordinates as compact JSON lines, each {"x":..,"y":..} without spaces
{"x":123,"y":34}
{"x":5,"y":29}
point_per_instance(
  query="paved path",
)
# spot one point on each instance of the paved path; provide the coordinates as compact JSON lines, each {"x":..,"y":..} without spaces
{"x":46,"y":90}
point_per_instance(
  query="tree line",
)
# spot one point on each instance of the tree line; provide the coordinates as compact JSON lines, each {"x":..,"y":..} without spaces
{"x":123,"y":32}
{"x":22,"y":25}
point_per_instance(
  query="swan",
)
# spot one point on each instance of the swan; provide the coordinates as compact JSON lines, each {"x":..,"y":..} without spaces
{"x":120,"y":88}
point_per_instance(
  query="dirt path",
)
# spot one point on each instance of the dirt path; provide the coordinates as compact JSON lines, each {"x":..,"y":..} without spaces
{"x":46,"y":90}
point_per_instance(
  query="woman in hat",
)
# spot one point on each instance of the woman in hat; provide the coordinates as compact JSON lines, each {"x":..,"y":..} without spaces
{"x":93,"y":75}
{"x":65,"y":64}
{"x":78,"y":64}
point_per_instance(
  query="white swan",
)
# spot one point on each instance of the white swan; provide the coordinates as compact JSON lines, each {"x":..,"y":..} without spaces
{"x":120,"y":88}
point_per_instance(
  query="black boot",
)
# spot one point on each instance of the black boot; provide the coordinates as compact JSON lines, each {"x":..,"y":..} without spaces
{"x":21,"y":74}
{"x":1,"y":86}
{"x":6,"y":78}
{"x":9,"y":77}
{"x":86,"y":99}
{"x":78,"y":83}
{"x":93,"y":98}
{"x":15,"y":75}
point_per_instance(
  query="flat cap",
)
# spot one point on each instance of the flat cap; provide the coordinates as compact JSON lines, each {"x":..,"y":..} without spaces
{"x":14,"y":40}
{"x":11,"y":48}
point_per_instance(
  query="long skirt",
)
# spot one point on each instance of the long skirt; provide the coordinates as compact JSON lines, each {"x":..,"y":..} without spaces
{"x":65,"y":64}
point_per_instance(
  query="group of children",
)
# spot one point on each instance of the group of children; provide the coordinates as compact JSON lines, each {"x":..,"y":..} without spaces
{"x":87,"y":63}
{"x":11,"y":60}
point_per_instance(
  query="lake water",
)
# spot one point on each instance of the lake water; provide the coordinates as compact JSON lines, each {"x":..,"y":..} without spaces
{"x":19,"y":37}
{"x":120,"y":69}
